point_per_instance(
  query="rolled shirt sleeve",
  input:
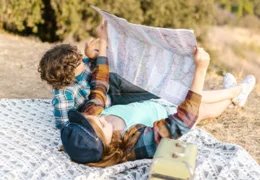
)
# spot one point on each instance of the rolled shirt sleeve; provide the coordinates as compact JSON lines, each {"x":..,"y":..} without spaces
{"x":172,"y":127}
{"x":99,"y":85}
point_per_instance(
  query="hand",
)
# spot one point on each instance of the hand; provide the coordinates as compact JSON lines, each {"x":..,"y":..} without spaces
{"x":102,"y":31}
{"x":102,"y":34}
{"x":201,"y":58}
{"x":90,"y":50}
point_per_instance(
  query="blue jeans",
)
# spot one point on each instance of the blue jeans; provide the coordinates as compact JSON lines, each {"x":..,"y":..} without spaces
{"x":122,"y":91}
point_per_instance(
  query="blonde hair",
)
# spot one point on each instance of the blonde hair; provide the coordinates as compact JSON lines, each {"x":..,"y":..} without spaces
{"x":113,"y":153}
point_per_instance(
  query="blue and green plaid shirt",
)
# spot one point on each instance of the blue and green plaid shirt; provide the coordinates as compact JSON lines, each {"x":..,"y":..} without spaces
{"x":74,"y":97}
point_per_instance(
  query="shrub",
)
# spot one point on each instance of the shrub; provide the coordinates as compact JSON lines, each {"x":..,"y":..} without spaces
{"x":250,"y":21}
{"x":224,"y":17}
{"x":194,"y":14}
{"x":21,"y":15}
{"x":55,"y":20}
{"x":84,"y":20}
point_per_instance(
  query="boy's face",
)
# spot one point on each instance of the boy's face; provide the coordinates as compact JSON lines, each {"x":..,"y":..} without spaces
{"x":80,"y":68}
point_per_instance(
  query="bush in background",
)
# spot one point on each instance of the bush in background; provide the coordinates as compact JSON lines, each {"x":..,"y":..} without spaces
{"x":244,"y":13}
{"x":195,"y":14}
{"x":55,"y":20}
{"x":249,"y":21}
{"x":224,"y":17}
{"x":21,"y":15}
{"x":76,"y":19}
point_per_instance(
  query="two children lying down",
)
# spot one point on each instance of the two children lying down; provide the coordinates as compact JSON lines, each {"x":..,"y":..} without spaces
{"x":97,"y":134}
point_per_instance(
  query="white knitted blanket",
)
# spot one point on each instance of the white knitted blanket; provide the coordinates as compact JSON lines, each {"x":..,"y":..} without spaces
{"x":29,"y":144}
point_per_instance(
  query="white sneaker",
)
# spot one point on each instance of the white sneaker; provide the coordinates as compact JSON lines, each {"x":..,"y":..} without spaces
{"x":248,"y":84}
{"x":229,"y":81}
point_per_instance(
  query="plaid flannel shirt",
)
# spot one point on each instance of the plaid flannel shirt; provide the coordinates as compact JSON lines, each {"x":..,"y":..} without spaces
{"x":75,"y":96}
{"x":145,"y":139}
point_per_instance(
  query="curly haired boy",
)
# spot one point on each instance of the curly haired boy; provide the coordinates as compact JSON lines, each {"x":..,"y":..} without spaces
{"x":72,"y":77}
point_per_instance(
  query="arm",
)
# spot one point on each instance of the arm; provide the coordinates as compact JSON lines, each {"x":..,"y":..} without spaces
{"x":100,"y":77}
{"x":201,"y":59}
{"x":176,"y":124}
{"x":173,"y":127}
{"x":90,"y":50}
{"x":99,"y":87}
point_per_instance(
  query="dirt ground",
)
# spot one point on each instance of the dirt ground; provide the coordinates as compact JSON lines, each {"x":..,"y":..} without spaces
{"x":19,"y":58}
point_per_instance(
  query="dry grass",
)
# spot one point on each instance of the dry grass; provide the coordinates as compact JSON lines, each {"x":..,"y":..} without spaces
{"x":237,"y":49}
{"x":239,"y":126}
{"x":19,"y":58}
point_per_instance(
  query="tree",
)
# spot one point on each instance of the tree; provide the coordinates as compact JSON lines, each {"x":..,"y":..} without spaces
{"x":56,"y":20}
{"x":240,"y":7}
{"x":192,"y":14}
{"x":22,"y":15}
{"x":77,"y":19}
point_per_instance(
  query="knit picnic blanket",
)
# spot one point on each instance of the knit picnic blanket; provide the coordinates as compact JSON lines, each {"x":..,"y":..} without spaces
{"x":29,"y":149}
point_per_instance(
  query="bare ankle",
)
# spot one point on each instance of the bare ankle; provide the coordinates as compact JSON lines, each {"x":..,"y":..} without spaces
{"x":237,"y":90}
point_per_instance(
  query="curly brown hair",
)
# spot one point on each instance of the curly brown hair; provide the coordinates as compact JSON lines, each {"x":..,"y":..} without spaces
{"x":58,"y":64}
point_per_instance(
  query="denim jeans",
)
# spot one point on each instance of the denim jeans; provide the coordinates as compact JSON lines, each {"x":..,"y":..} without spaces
{"x":122,"y":91}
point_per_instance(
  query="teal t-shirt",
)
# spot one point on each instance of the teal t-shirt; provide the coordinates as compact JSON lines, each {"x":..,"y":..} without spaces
{"x":146,"y":112}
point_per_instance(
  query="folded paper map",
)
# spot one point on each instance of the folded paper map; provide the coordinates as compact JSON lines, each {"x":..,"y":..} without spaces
{"x":159,"y":60}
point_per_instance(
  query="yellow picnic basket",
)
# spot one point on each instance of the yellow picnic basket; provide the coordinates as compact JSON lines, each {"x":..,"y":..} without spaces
{"x":173,"y":160}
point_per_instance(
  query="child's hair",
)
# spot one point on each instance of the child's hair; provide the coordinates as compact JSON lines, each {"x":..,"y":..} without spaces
{"x":58,"y":64}
{"x":113,"y":153}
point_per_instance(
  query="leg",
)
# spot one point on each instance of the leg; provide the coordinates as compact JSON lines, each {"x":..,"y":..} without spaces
{"x":212,"y":110}
{"x":220,"y":95}
{"x":122,"y":91}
